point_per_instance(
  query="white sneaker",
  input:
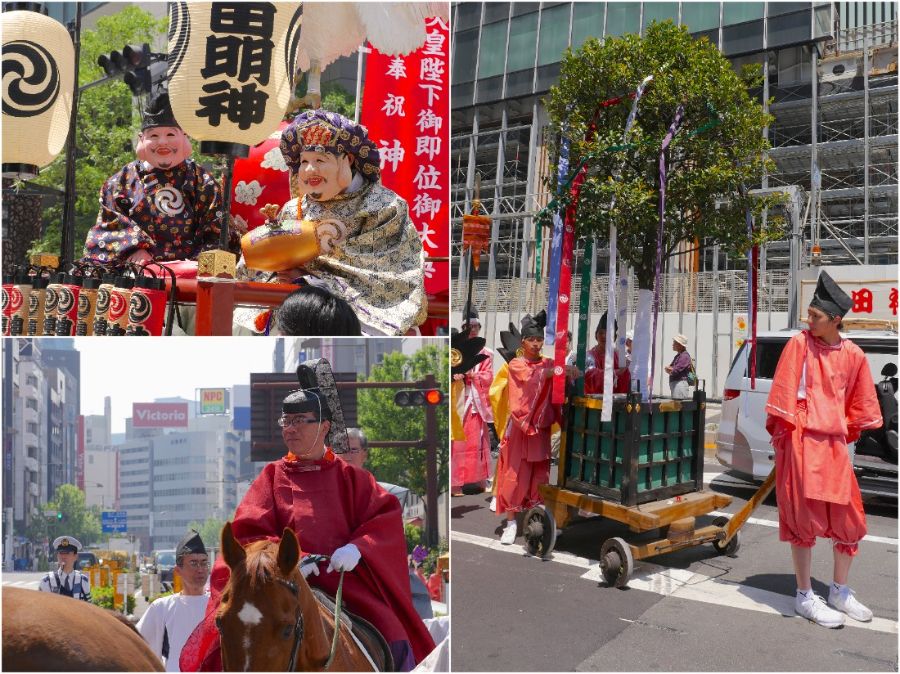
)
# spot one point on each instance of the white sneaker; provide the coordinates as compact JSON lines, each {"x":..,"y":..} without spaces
{"x":493,"y":506}
{"x":816,"y":610}
{"x":844,"y":601}
{"x":509,"y":534}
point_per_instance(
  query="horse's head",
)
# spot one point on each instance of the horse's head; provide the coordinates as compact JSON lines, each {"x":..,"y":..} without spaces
{"x":261,"y":615}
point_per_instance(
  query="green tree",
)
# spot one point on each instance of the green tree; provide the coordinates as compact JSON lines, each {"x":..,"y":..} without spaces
{"x":381,"y":419}
{"x":106,"y":127}
{"x":73,"y":519}
{"x":210,"y":531}
{"x":706,"y":169}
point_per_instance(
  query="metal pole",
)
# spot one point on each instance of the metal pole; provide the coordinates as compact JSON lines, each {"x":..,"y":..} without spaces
{"x":226,"y":201}
{"x":357,"y":106}
{"x":865,"y":146}
{"x":431,"y":471}
{"x":67,"y":236}
{"x":814,"y":149}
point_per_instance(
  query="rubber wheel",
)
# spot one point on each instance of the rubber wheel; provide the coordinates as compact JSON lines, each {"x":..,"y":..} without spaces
{"x":734,"y":544}
{"x":540,"y":532}
{"x":616,"y":562}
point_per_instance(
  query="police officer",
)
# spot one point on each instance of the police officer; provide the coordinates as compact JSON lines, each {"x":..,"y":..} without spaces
{"x":66,"y":580}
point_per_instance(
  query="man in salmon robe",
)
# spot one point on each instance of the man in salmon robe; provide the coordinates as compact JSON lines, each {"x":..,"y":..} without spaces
{"x":331,"y":506}
{"x":822,"y":397}
{"x":470,"y":458}
{"x":525,"y":449}
{"x":594,"y":365}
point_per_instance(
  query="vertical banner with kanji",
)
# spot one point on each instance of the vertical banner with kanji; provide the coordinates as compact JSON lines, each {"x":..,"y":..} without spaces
{"x":406,"y":107}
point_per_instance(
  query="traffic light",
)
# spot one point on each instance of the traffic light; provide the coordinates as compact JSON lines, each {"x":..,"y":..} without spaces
{"x":59,"y":515}
{"x":136,"y":64}
{"x":418,"y":397}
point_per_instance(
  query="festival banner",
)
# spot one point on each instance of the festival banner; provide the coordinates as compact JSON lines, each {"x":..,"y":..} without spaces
{"x":406,"y":107}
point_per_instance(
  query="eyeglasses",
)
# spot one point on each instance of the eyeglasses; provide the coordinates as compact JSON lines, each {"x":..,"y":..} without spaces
{"x":198,"y":564}
{"x":286,"y":422}
{"x":354,"y":450}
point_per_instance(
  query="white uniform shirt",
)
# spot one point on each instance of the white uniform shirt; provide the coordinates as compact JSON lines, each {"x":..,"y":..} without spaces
{"x":179,"y":615}
{"x":47,"y":586}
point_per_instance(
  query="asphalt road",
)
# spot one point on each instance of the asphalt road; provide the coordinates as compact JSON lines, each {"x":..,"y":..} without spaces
{"x":691,"y":610}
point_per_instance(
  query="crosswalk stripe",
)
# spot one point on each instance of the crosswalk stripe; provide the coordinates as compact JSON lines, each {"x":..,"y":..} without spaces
{"x":680,"y":583}
{"x":774,"y":524}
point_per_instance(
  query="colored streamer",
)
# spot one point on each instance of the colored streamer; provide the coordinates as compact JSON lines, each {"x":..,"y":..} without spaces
{"x":556,"y":247}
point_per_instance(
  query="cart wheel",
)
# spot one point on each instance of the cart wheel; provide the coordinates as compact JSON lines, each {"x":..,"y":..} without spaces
{"x":616,"y":562}
{"x":734,"y":544}
{"x":540,"y":532}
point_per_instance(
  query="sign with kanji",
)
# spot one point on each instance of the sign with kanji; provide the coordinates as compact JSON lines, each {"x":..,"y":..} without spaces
{"x":875,"y":299}
{"x":406,"y":107}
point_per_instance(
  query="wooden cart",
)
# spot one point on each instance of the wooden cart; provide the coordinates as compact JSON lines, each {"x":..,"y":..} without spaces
{"x":644,"y":468}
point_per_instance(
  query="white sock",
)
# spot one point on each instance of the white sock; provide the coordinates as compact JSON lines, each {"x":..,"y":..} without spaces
{"x":837,"y":587}
{"x":806,"y":594}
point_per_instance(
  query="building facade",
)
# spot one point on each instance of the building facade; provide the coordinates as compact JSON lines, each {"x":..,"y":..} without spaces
{"x":830,"y":70}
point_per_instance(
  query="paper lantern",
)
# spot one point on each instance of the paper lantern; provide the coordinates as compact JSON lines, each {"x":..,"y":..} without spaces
{"x":38,"y":87}
{"x":231,"y":68}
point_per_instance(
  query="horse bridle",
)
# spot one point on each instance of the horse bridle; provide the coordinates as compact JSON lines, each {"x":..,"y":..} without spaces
{"x":298,"y":626}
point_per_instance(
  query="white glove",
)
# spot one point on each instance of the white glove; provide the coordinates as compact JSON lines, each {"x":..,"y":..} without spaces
{"x":344,"y":558}
{"x":312,"y":568}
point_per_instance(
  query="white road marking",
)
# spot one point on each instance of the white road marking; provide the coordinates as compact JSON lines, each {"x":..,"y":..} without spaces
{"x":681,"y":583}
{"x":774,"y":524}
{"x":24,"y":584}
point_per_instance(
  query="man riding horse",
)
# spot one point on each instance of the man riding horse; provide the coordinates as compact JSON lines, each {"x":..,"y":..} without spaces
{"x":336,"y":510}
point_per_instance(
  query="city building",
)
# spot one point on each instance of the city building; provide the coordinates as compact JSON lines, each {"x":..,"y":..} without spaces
{"x":345,"y":355}
{"x":831,"y":68}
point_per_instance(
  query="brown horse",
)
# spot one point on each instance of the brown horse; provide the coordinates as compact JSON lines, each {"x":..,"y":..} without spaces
{"x":45,"y":632}
{"x":269,"y":620}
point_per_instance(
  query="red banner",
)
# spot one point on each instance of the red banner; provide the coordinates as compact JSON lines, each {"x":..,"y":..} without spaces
{"x":406,"y":107}
{"x":159,"y":415}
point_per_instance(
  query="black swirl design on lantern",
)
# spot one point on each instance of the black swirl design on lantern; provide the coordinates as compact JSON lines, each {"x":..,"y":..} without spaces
{"x":140,"y":308}
{"x":66,"y":300}
{"x":30,"y":79}
{"x":102,"y":300}
{"x":34,"y":301}
{"x":84,"y":307}
{"x":180,"y":32}
{"x":4,"y":299}
{"x":169,"y":200}
{"x":291,"y":45}
{"x":51,"y":299}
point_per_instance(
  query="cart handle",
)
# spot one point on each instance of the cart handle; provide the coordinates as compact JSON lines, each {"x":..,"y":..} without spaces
{"x":742,"y":515}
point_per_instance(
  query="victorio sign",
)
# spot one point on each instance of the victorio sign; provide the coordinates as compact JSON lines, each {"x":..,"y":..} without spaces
{"x":159,"y":415}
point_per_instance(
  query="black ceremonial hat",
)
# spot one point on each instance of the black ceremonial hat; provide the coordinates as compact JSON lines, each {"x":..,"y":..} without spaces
{"x":159,"y":112}
{"x":533,"y":326}
{"x":318,"y":393}
{"x":191,"y":544}
{"x":830,"y":298}
{"x":465,"y":353}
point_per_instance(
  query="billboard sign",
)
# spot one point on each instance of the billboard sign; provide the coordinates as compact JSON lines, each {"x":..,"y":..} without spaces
{"x":212,"y":401}
{"x":159,"y":415}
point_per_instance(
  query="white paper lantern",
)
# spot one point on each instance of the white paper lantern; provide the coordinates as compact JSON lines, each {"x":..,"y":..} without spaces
{"x":38,"y":86}
{"x":231,"y":68}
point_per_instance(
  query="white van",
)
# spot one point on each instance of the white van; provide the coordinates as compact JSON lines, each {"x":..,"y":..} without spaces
{"x":742,"y":442}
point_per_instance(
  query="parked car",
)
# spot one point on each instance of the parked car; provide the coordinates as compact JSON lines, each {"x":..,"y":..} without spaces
{"x":742,"y":443}
{"x":164,"y":565}
{"x":85,"y":559}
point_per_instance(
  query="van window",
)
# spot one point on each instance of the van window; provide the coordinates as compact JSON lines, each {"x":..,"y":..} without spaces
{"x":767,"y":355}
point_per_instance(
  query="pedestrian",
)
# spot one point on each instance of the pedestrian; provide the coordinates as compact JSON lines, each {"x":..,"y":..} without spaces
{"x":336,"y":510}
{"x":314,"y":311}
{"x":595,"y":359}
{"x":680,"y":369}
{"x":525,"y":448}
{"x":169,"y":621}
{"x":822,"y":397}
{"x":471,"y":458}
{"x":357,"y":448}
{"x":67,"y":580}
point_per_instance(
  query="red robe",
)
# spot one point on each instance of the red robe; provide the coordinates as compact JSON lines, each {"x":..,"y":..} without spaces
{"x":593,"y":377}
{"x":470,"y":458}
{"x":327,"y":503}
{"x":816,"y":488}
{"x":525,"y":450}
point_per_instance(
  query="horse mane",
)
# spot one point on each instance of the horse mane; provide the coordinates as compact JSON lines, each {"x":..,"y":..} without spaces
{"x":260,"y":566}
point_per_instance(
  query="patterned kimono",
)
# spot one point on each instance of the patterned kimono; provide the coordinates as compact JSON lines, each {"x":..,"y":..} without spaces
{"x":470,"y":459}
{"x":593,"y":373}
{"x":175,"y":214}
{"x":822,"y":397}
{"x":525,"y":449}
{"x":376,"y":262}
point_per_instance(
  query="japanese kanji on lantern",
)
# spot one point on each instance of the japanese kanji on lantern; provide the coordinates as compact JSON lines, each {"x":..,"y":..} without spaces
{"x":38,"y":85}
{"x":231,"y":67}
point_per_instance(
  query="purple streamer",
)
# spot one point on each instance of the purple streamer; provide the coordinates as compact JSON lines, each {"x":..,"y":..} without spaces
{"x":556,"y":246}
{"x":673,"y":129}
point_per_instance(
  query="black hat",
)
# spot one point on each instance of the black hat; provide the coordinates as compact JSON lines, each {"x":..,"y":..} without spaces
{"x":533,"y":326}
{"x":465,"y":353}
{"x":318,"y":394}
{"x":512,"y":341}
{"x":306,"y":400}
{"x":830,"y":298}
{"x":191,"y":544}
{"x":159,"y":112}
{"x":603,"y":321}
